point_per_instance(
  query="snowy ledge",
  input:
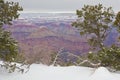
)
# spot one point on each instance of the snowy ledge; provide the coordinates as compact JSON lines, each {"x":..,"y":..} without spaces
{"x":42,"y":72}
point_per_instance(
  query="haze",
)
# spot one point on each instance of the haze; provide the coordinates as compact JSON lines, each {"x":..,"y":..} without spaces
{"x":63,"y":5}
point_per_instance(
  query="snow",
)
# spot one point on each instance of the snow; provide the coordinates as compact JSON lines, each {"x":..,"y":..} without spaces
{"x":102,"y":73}
{"x":43,"y":72}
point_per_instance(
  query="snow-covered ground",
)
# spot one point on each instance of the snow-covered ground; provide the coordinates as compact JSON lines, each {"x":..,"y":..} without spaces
{"x":42,"y":72}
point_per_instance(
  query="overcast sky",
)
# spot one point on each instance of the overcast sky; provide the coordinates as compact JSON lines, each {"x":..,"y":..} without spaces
{"x":63,"y":5}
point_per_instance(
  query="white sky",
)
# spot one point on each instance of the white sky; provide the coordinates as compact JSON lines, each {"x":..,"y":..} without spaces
{"x":63,"y":5}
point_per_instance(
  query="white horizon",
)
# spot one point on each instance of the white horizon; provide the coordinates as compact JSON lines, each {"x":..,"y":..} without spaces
{"x":47,"y":12}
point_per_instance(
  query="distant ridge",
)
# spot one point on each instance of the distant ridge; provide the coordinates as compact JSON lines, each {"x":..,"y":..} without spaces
{"x":42,"y":34}
{"x":48,"y":12}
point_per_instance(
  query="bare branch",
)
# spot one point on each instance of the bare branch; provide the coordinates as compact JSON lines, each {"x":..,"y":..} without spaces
{"x":87,"y":61}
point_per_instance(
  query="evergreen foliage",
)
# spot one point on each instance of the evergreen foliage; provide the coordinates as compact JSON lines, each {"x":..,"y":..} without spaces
{"x":108,"y":57}
{"x":95,"y":21}
{"x":8,"y":45}
{"x":117,"y":21}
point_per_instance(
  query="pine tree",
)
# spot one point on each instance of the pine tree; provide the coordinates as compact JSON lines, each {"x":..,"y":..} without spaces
{"x":96,"y":21}
{"x":8,"y":45}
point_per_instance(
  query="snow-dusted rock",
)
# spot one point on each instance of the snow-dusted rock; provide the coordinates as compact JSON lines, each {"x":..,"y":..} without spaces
{"x":102,"y":73}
